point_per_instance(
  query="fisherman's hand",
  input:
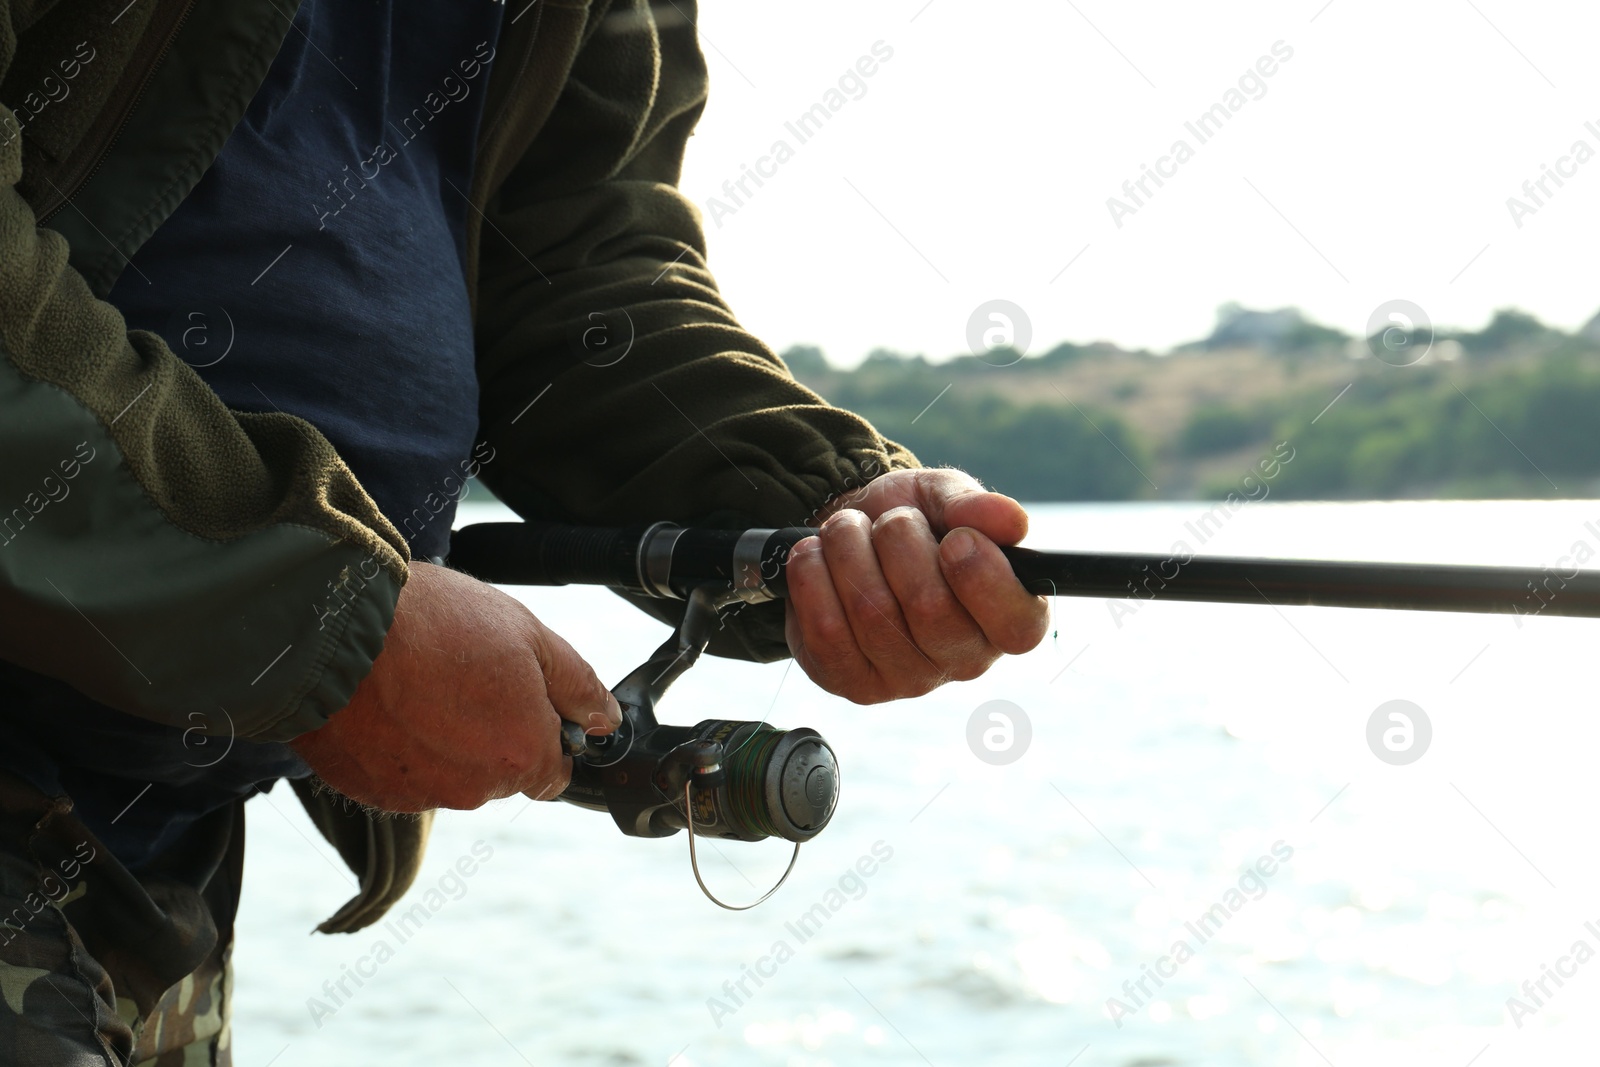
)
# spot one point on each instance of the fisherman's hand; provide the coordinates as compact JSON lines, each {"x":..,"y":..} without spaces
{"x":904,"y":588}
{"x":462,"y":706}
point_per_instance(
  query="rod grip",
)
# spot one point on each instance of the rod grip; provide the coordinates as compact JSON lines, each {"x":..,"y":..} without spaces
{"x":541,"y":553}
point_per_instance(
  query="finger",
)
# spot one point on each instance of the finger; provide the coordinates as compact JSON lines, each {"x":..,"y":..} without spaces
{"x":870,"y":606}
{"x":546,"y":768}
{"x":939,"y":623}
{"x":815,"y":626}
{"x":1013,"y":619}
{"x":952,"y":498}
{"x":576,"y":692}
{"x":995,"y":515}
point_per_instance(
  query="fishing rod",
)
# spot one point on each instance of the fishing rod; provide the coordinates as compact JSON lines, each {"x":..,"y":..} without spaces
{"x":748,"y":781}
{"x":664,"y":560}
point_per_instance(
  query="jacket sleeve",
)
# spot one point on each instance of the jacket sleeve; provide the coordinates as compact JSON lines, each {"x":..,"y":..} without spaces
{"x":162,"y":554}
{"x":617,"y":385}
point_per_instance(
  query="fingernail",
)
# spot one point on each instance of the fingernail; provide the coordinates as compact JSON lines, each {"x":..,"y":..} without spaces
{"x":958,"y":546}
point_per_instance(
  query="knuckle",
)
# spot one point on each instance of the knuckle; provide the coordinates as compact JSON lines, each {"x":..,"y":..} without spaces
{"x":870,"y":605}
{"x":842,"y":523}
{"x":830,"y":633}
{"x":931,"y":600}
{"x":898,"y":520}
{"x":1023,"y":634}
{"x":887,"y":647}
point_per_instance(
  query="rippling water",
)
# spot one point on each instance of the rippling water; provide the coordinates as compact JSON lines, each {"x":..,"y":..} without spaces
{"x":1171,"y":749}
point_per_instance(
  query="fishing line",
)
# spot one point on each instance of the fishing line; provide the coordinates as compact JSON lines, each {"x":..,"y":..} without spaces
{"x":768,"y":713}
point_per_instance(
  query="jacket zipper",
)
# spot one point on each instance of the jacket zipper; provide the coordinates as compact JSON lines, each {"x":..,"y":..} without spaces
{"x":111,"y":141}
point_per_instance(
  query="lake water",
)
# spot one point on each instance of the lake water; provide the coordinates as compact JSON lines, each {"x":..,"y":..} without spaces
{"x":1171,"y":749}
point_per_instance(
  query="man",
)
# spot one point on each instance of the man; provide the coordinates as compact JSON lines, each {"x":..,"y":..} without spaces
{"x":270,"y":290}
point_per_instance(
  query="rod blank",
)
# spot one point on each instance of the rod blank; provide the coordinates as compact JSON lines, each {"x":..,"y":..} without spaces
{"x":1326,"y":583}
{"x":665,"y":559}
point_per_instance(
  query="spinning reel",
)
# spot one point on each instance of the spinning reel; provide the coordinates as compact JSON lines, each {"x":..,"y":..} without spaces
{"x":726,"y":778}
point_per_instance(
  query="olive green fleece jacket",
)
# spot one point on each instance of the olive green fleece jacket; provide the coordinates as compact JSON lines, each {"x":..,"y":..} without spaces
{"x":168,"y":556}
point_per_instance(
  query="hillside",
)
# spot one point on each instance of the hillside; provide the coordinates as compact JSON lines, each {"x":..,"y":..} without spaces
{"x":1508,"y":411}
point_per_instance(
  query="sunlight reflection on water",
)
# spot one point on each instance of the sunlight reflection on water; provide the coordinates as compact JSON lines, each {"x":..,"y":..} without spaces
{"x":1179,"y":746}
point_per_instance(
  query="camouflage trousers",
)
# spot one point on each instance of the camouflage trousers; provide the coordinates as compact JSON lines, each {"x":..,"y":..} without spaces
{"x":102,"y":966}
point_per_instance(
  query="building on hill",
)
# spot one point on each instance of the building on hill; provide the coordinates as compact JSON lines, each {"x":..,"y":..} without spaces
{"x":1241,"y":327}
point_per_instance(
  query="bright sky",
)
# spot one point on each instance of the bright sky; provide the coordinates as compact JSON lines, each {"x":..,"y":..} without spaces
{"x":978,"y":163}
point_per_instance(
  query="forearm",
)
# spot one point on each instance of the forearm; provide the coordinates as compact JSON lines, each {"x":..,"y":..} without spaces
{"x":617,"y":385}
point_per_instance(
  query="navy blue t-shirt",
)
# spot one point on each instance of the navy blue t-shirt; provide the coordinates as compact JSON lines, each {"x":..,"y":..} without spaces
{"x":316,"y":269}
